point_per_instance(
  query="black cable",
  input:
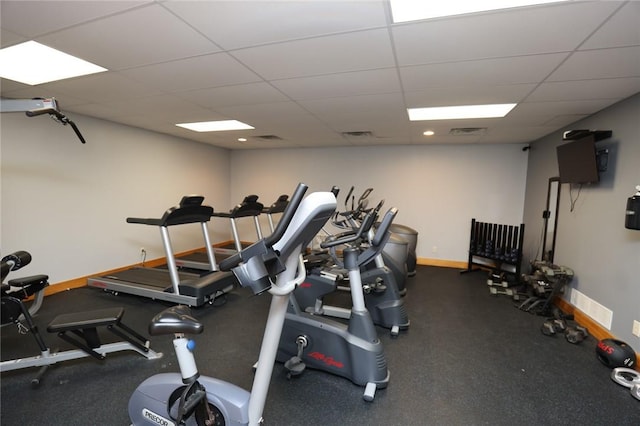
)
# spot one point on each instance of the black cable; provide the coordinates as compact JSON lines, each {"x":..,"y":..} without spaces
{"x":573,"y":202}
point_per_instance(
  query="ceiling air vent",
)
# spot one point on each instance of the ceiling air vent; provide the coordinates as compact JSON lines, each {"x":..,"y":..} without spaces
{"x":357,"y":135}
{"x":268,"y":137}
{"x":468,"y":131}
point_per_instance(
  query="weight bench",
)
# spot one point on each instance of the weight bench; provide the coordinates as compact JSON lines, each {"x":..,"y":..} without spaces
{"x":85,"y":326}
{"x":81,"y":330}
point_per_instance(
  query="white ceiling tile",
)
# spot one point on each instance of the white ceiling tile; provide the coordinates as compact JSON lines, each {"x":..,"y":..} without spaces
{"x":102,"y":87}
{"x":623,"y":29}
{"x":540,"y":112}
{"x":265,"y":115}
{"x":142,"y":36}
{"x":323,"y":55}
{"x":341,"y":84}
{"x":524,"y":31}
{"x":468,"y":95}
{"x":600,"y":64}
{"x":33,"y":18}
{"x":309,"y":70}
{"x":218,"y":69}
{"x":487,"y":72}
{"x":240,"y":94}
{"x":161,"y":107}
{"x":612,"y":88}
{"x":8,"y":38}
{"x":232,"y":25}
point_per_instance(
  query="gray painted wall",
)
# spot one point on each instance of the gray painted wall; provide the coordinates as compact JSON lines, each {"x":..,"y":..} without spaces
{"x":592,"y":239}
{"x":67,"y":203}
{"x":437,"y":189}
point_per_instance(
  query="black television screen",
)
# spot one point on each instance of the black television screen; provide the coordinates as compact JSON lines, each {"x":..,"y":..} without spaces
{"x":577,"y":162}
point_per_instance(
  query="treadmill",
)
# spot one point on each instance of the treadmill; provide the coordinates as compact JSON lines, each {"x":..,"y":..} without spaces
{"x":250,"y":207}
{"x":171,"y":284}
{"x":277,"y":207}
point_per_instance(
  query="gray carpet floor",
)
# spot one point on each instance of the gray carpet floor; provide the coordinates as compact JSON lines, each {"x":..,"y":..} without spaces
{"x":468,"y":358}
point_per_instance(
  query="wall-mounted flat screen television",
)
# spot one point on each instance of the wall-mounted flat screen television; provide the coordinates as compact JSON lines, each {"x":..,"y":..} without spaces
{"x":577,"y":161}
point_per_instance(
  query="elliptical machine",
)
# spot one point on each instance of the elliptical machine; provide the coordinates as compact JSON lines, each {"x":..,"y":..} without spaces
{"x":351,"y":350}
{"x":381,"y":295}
{"x":272,"y":264}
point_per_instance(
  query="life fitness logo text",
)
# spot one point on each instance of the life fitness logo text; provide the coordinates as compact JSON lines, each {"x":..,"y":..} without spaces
{"x":326,"y":359}
{"x":605,"y":347}
{"x":159,"y":420}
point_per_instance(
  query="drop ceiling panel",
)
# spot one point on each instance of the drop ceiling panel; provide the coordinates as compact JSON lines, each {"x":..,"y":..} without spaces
{"x":373,"y":107}
{"x":524,"y":31}
{"x":307,"y":71}
{"x":218,"y":69}
{"x":341,"y":84}
{"x":142,"y":36}
{"x":599,"y":64}
{"x":102,"y":87}
{"x":233,"y":25}
{"x":528,"y":111}
{"x":613,"y":88}
{"x":240,"y":94}
{"x":265,"y":115}
{"x":323,"y":55}
{"x":488,"y":72}
{"x":622,"y":29}
{"x":34,"y":18}
{"x":469,"y":95}
{"x":158,"y":108}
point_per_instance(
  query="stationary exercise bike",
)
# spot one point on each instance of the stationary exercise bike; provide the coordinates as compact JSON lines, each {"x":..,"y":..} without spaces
{"x":351,"y":350}
{"x":272,"y":264}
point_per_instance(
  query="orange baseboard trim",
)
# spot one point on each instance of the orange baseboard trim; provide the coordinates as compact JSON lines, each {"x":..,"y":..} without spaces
{"x":595,"y":329}
{"x":442,"y":263}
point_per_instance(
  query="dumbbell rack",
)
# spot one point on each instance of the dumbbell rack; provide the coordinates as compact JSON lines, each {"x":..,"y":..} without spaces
{"x":499,"y":248}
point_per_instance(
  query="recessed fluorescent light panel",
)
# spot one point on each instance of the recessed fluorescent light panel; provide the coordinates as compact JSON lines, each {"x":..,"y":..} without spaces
{"x":34,"y":63}
{"x":215,"y":126}
{"x":414,"y":10}
{"x":459,"y":112}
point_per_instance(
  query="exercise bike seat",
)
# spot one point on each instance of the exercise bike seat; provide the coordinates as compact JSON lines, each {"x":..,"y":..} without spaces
{"x":176,"y":319}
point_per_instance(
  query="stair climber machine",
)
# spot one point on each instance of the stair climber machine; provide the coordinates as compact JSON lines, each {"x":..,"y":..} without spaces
{"x":171,"y":284}
{"x":272,"y":264}
{"x":381,"y":295}
{"x":352,"y":350}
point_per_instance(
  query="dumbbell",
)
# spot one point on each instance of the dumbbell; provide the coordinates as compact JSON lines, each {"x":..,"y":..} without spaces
{"x":628,"y":378}
{"x":576,"y":334}
{"x":551,"y":326}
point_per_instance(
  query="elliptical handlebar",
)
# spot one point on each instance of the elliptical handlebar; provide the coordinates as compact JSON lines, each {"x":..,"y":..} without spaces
{"x":364,"y":227}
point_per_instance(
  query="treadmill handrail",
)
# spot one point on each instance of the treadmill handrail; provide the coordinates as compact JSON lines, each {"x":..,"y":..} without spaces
{"x":250,"y":206}
{"x":278,"y":206}
{"x":177,"y":216}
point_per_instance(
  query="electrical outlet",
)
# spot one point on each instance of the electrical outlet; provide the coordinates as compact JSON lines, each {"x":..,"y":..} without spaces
{"x":434,"y":249}
{"x":636,"y":328}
